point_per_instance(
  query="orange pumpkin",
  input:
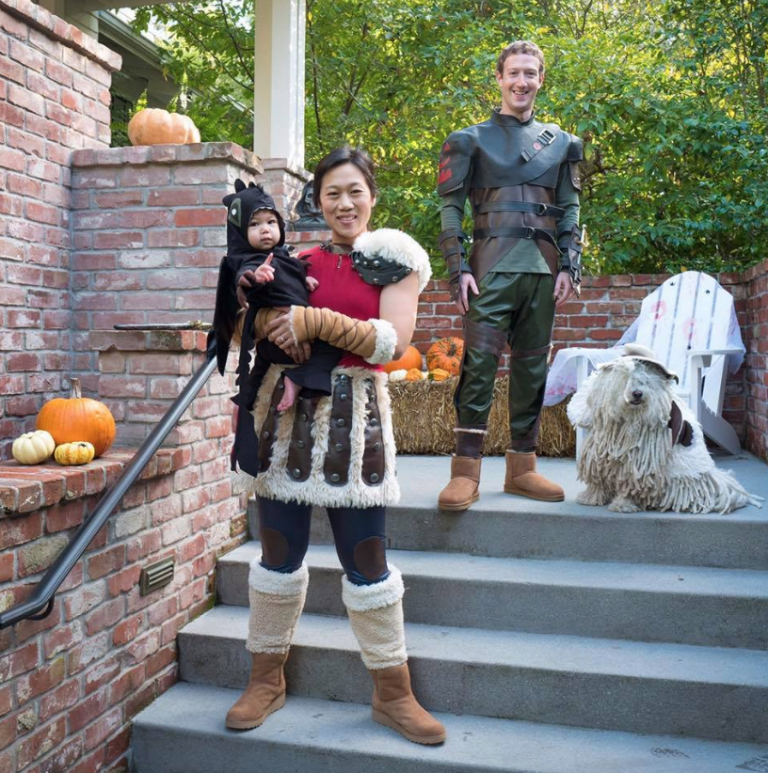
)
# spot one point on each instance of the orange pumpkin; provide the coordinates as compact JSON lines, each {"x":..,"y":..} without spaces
{"x":411,"y":359}
{"x":78,"y":419}
{"x":446,"y":354}
{"x":414,"y":374}
{"x":154,"y":126}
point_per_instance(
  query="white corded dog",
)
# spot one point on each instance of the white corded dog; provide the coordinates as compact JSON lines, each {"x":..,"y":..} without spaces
{"x":645,"y":450}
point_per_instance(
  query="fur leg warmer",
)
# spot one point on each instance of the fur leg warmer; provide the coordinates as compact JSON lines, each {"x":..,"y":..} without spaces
{"x":276,"y":603}
{"x":376,"y":616}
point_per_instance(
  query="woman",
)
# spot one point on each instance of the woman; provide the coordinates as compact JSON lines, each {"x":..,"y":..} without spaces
{"x":337,"y":451}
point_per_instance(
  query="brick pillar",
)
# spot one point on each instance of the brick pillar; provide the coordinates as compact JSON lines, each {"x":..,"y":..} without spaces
{"x":149,"y":233}
{"x":284,"y":182}
{"x":142,"y":373}
{"x":54,"y":99}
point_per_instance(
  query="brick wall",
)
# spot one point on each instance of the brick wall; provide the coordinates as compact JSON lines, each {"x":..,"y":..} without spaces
{"x":70,"y":684}
{"x":149,"y":233}
{"x":607,"y":307}
{"x":54,"y":99}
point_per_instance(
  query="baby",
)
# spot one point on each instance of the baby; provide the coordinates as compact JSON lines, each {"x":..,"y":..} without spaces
{"x":259,"y":272}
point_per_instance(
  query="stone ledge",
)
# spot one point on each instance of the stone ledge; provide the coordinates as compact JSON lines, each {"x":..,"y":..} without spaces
{"x":193,"y":153}
{"x":26,"y":488}
{"x":147,"y":340}
{"x":58,"y":29}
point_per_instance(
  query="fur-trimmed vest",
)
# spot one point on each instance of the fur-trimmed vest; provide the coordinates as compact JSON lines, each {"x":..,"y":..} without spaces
{"x":338,"y":451}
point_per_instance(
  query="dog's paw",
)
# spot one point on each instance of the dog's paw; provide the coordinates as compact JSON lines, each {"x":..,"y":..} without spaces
{"x":623,"y":505}
{"x":593,"y":497}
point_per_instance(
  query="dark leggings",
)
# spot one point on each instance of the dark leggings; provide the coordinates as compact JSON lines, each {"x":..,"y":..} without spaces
{"x":358,"y":533}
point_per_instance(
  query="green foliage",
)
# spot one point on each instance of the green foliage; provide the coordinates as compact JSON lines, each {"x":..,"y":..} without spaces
{"x":669,"y":96}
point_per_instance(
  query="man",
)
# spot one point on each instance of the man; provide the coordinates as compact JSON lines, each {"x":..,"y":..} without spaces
{"x":522,"y":179}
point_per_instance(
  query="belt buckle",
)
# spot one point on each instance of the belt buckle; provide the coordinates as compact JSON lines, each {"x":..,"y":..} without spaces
{"x":542,"y":210}
{"x":546,"y":137}
{"x":529,"y":232}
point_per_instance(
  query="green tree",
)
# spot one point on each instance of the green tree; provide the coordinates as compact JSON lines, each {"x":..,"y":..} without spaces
{"x":670,"y":98}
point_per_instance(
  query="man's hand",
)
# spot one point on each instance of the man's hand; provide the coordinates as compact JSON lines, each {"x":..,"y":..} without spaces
{"x":563,"y":288}
{"x":263,"y":274}
{"x":466,"y":282}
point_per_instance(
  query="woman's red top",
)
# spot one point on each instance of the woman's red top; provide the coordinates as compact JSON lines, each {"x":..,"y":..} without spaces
{"x":341,"y":289}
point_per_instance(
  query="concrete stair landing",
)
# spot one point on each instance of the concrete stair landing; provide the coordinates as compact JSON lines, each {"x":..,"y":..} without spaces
{"x":550,"y":638}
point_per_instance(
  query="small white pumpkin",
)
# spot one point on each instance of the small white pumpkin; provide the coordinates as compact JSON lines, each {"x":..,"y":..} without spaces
{"x":398,"y":375}
{"x":33,"y":447}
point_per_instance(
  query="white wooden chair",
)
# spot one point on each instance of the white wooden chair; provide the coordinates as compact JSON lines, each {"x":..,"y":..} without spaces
{"x":690,"y":324}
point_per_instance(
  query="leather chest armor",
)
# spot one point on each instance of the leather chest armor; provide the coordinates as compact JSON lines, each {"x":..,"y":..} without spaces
{"x":513,"y":171}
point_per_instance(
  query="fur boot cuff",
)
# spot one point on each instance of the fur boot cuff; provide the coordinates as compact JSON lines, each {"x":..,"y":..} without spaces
{"x":278,"y":583}
{"x":362,"y":598}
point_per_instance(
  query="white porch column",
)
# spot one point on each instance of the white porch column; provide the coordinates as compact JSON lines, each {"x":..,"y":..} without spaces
{"x":279,"y":80}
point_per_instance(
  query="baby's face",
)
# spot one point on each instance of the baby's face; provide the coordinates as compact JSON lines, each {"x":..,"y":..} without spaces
{"x":263,"y":230}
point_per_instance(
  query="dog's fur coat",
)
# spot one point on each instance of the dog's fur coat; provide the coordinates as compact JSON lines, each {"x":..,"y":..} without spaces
{"x":644,"y":449}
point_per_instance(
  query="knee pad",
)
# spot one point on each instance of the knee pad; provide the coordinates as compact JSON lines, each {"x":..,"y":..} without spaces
{"x":274,"y":547}
{"x":370,"y":557}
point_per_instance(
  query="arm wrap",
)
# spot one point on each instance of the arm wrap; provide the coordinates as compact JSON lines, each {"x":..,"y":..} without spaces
{"x":452,"y":246}
{"x":571,"y":245}
{"x":373,"y":340}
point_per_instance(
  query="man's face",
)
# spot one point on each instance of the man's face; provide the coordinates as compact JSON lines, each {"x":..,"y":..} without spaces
{"x":519,"y":83}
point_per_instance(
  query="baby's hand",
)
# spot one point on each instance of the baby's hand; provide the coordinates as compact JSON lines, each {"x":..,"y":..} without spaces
{"x":265,"y":272}
{"x":312,"y":284}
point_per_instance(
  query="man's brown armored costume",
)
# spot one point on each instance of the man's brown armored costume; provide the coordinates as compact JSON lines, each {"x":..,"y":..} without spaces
{"x":522,"y":180}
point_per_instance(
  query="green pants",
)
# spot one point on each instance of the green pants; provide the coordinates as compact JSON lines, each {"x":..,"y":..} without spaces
{"x":518,"y":309}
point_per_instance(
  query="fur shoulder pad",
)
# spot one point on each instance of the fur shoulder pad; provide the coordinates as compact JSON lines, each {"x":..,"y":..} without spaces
{"x":386,"y":255}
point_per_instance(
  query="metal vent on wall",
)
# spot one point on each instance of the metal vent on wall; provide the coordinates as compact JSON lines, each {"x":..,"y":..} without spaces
{"x":155,"y":576}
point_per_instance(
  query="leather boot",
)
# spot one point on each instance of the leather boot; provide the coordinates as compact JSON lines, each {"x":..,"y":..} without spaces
{"x":264,"y":694}
{"x":463,"y":488}
{"x":522,"y":479}
{"x":395,"y":706}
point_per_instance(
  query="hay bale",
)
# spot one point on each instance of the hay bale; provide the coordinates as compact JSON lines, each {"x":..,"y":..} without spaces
{"x":424,"y":419}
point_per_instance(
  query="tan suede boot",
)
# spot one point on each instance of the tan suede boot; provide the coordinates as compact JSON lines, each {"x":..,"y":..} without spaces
{"x":522,"y":479}
{"x":276,"y":601}
{"x":395,"y":706}
{"x":463,"y":488}
{"x":376,"y":615}
{"x":264,"y":694}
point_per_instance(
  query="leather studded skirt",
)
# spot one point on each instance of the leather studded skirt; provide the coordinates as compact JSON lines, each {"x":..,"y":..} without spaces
{"x":336,"y":451}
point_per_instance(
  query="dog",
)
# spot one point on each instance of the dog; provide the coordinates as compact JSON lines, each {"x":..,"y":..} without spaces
{"x":644,"y":449}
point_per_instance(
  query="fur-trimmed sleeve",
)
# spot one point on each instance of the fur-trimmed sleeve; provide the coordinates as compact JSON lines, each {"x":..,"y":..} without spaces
{"x":397,"y":246}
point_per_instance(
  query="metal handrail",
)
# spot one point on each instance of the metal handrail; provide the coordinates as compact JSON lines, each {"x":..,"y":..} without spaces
{"x":40,"y":603}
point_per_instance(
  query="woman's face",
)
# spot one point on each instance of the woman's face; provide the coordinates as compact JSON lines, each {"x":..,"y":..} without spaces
{"x":346,"y":202}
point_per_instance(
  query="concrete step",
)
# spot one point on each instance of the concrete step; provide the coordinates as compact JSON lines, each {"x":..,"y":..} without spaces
{"x":501,"y":525}
{"x":685,"y":605}
{"x":183,"y":732}
{"x":674,"y":689}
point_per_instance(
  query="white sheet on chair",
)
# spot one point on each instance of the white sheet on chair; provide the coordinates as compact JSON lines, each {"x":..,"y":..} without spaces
{"x":561,"y":380}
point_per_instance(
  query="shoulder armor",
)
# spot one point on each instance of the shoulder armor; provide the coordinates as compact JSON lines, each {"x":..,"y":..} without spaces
{"x":575,"y":148}
{"x":455,"y":157}
{"x":387,"y":255}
